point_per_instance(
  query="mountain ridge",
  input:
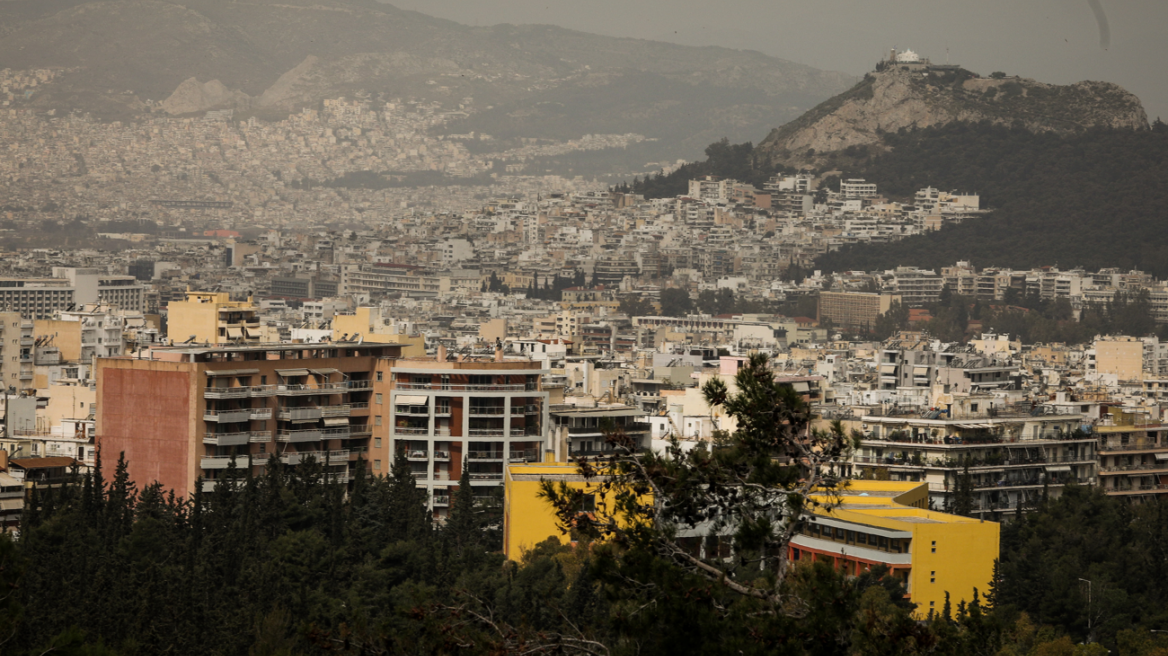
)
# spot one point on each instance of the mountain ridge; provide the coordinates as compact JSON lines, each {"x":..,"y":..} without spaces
{"x":127,"y":57}
{"x":894,"y":98}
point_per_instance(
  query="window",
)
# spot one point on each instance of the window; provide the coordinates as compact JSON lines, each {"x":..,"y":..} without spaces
{"x":377,"y":399}
{"x":973,"y":407}
{"x":377,"y":465}
{"x":377,"y":442}
{"x":376,"y":420}
{"x":934,"y":546}
{"x":380,"y":376}
{"x":932,"y":577}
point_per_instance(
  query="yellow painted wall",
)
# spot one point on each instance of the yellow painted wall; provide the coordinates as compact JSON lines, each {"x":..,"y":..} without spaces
{"x":364,"y":322}
{"x":964,"y":560}
{"x":529,"y":520}
{"x":199,"y":316}
{"x":66,"y":336}
{"x":65,"y":402}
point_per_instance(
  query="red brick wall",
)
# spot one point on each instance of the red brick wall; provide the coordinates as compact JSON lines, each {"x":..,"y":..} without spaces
{"x":146,"y":414}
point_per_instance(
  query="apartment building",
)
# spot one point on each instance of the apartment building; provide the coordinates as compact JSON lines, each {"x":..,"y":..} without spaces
{"x":883,"y":523}
{"x":853,"y":310}
{"x":1133,"y":455}
{"x":1013,"y":455}
{"x":581,"y":431}
{"x":36,"y":298}
{"x":213,"y":318}
{"x":94,"y":331}
{"x":381,"y":280}
{"x":481,"y":412}
{"x":1120,"y":356}
{"x":17,"y":367}
{"x":181,"y":413}
{"x":916,"y":287}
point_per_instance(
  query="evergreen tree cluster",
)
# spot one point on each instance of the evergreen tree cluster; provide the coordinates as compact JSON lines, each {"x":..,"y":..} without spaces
{"x":1029,"y":318}
{"x":286,"y":564}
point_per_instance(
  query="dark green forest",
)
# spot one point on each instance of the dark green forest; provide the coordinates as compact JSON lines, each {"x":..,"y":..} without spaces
{"x":1097,"y":198}
{"x":288,"y":565}
{"x":1094,"y":199}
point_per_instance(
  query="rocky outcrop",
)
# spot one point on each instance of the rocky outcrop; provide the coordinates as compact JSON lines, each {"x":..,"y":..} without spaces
{"x":192,"y":96}
{"x":892,"y":100}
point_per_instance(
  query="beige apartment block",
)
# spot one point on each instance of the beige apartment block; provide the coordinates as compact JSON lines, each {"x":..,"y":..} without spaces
{"x":1122,"y":356}
{"x":854,"y":310}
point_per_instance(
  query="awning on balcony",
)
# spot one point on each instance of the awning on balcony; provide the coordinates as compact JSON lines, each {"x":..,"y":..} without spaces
{"x":292,"y":372}
{"x":323,"y":372}
{"x":233,"y":372}
{"x":920,"y":371}
{"x":235,"y":333}
{"x":801,"y":387}
{"x":888,"y":369}
{"x":1162,"y":456}
{"x":1057,"y":468}
{"x":336,"y":421}
{"x":408,"y":399}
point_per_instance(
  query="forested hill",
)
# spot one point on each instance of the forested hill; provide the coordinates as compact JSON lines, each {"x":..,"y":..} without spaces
{"x":1094,"y":199}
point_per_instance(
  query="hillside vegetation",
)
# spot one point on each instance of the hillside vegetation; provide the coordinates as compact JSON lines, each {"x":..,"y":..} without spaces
{"x":1092,"y":199}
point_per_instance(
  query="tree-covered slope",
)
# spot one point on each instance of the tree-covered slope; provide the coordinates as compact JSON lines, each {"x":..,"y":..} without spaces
{"x":1095,"y":199}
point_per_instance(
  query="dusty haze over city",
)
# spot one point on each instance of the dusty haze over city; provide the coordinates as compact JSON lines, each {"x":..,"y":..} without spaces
{"x":1056,"y":41}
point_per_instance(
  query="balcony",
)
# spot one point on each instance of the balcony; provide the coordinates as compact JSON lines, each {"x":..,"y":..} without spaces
{"x":336,"y":410}
{"x":1142,"y":467}
{"x":1136,"y":446}
{"x":260,"y":437}
{"x":298,"y":457}
{"x":486,"y":476}
{"x":360,"y":384}
{"x":226,"y":392}
{"x":359,"y":405}
{"x":487,"y":432}
{"x":336,"y":433}
{"x":360,"y":430}
{"x":441,"y":500}
{"x":485,"y":456}
{"x":227,"y":439}
{"x":227,"y":416}
{"x":307,"y":435}
{"x":299,"y":414}
{"x":416,"y":455}
{"x":441,"y":456}
{"x":336,"y":455}
{"x":493,"y":411}
{"x":410,"y":431}
{"x":529,"y":455}
{"x":309,"y":390}
{"x":223,"y":462}
{"x":456,"y":387}
{"x":340,"y":478}
{"x":260,"y":414}
{"x":262,"y":390}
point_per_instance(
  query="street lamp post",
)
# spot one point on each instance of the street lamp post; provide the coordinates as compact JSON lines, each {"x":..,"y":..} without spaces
{"x":1090,"y":634}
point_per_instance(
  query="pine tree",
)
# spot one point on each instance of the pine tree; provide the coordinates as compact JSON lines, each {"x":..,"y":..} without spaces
{"x":461,"y":528}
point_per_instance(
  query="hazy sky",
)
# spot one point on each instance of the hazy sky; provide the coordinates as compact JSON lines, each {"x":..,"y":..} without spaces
{"x":1056,"y":41}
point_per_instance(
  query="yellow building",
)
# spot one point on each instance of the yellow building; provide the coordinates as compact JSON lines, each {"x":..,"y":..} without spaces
{"x":213,"y":318}
{"x":369,"y":324}
{"x":888,"y":523}
{"x":877,"y":523}
{"x":528,"y":519}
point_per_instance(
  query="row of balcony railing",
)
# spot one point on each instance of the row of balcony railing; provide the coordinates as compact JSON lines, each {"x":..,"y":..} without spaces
{"x":462,"y":387}
{"x":244,"y":392}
